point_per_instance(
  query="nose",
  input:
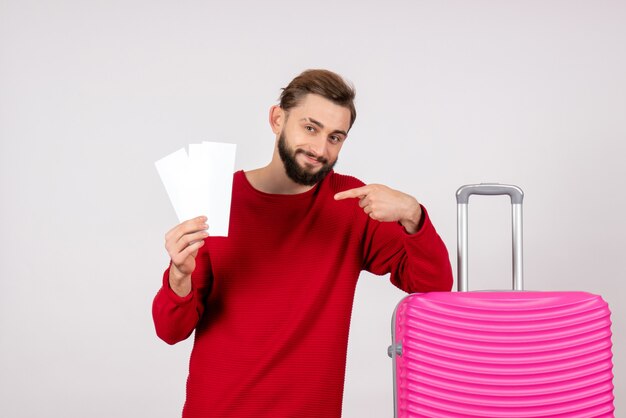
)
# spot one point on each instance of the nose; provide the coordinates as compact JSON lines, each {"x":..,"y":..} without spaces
{"x":318,"y":146}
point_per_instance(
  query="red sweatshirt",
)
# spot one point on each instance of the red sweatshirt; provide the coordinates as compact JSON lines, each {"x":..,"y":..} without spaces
{"x":271,"y":302}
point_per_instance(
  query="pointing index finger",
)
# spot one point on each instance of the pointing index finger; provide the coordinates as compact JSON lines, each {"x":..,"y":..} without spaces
{"x":347,"y":194}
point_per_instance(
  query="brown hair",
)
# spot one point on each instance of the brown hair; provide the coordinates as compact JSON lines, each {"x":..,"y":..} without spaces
{"x":322,"y":82}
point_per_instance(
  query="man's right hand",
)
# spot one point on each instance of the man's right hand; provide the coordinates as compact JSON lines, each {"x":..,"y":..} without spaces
{"x":182,"y":243}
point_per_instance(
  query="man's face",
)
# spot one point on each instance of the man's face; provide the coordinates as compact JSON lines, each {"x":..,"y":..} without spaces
{"x":311,"y":138}
{"x":306,"y":174}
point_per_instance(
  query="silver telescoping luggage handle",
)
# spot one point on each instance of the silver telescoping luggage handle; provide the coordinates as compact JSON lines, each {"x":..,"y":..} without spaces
{"x":494,"y":189}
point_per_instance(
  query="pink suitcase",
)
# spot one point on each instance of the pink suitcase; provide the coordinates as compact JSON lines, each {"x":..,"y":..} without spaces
{"x":516,"y":354}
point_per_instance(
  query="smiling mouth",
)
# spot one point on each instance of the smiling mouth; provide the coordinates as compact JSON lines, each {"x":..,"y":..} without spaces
{"x":312,"y":158}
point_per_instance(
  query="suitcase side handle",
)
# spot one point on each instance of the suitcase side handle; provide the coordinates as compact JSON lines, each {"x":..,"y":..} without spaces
{"x":492,"y":189}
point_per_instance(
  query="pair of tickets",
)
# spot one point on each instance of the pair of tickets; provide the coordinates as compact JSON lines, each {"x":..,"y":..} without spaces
{"x":200,"y":182}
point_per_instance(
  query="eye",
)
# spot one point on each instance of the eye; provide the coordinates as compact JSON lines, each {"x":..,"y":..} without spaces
{"x":309,"y":128}
{"x":335,"y":139}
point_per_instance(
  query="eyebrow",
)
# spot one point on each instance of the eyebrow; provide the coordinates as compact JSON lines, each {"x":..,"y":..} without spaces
{"x":321,"y":126}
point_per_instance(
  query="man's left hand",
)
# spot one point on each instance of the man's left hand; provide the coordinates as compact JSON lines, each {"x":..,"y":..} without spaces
{"x":384,"y":204}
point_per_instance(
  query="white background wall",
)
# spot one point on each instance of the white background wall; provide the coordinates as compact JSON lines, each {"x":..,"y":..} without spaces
{"x":448,"y":92}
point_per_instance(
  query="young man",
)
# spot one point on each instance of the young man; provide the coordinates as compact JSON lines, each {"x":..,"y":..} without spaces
{"x":271,"y":302}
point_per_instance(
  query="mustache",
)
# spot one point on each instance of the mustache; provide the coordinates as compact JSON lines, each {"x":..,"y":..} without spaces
{"x":310,"y":154}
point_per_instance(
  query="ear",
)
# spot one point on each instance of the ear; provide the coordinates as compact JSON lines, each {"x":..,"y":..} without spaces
{"x":277,"y":119}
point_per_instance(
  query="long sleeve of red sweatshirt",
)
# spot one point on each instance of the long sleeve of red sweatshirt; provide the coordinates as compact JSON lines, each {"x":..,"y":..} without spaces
{"x":271,"y":303}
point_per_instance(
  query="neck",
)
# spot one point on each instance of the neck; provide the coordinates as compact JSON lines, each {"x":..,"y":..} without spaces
{"x":274,"y":180}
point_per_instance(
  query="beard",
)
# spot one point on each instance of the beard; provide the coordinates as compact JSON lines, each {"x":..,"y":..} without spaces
{"x":302,"y":175}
